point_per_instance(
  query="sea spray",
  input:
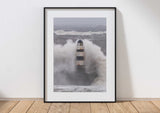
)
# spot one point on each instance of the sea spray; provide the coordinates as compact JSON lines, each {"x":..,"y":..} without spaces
{"x":66,"y":74}
{"x":95,"y":59}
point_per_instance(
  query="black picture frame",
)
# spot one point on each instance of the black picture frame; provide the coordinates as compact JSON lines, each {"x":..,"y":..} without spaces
{"x":44,"y":57}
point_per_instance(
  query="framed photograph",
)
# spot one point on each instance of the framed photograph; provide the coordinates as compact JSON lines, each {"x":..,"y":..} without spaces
{"x":79,"y":54}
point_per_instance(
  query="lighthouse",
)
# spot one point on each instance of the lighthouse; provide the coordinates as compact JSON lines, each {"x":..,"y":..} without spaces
{"x":82,"y":78}
{"x":80,"y":54}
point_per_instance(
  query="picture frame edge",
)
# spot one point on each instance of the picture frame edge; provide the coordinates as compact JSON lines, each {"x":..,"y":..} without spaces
{"x":44,"y":89}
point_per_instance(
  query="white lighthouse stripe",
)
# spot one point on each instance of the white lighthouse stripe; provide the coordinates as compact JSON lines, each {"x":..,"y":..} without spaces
{"x":80,"y":47}
{"x":80,"y":54}
{"x":80,"y":63}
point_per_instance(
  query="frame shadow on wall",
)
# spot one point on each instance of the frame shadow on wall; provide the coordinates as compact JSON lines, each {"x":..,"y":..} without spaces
{"x":124,"y":82}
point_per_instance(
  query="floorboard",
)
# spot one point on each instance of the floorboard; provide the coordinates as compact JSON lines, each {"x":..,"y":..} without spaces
{"x":39,"y":107}
{"x":156,"y":103}
{"x":6,"y":106}
{"x":121,"y":107}
{"x":80,"y":108}
{"x":145,"y":107}
{"x":22,"y":107}
{"x":99,"y":108}
{"x":59,"y":108}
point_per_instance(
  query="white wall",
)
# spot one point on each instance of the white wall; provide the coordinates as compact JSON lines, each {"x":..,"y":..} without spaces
{"x":21,"y":45}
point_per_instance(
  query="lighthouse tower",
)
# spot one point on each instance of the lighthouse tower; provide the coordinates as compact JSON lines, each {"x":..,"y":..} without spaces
{"x":80,"y":54}
{"x":81,"y":76}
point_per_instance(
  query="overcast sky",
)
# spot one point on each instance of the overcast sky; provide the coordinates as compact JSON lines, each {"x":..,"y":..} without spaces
{"x":79,"y":21}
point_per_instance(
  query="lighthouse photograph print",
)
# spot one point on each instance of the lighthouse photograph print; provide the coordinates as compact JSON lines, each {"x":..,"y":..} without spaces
{"x":79,"y":54}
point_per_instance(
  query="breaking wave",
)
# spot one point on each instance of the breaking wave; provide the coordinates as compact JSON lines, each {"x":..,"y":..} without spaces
{"x":65,"y":71}
{"x":62,"y":32}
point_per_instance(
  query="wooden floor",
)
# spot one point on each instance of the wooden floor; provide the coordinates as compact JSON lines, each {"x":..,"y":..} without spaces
{"x":40,"y":107}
